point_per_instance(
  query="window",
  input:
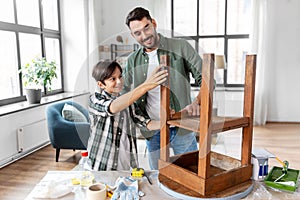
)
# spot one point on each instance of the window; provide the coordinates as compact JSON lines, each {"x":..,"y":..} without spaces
{"x":28,"y":28}
{"x":216,"y":26}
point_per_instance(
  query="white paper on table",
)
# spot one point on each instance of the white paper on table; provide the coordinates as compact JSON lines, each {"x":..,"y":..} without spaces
{"x":54,"y":185}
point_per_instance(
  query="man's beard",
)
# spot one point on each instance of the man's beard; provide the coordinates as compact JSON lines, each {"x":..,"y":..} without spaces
{"x":155,"y":42}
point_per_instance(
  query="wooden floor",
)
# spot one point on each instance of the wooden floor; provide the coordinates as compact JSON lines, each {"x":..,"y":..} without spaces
{"x":19,"y":178}
{"x":283,"y":140}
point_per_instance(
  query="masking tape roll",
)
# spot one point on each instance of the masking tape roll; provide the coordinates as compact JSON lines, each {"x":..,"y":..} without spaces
{"x":96,"y":191}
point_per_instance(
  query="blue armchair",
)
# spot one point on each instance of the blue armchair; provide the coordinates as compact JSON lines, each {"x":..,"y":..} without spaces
{"x":65,"y":134}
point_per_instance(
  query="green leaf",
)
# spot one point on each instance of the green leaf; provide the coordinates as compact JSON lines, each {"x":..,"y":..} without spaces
{"x":39,"y":72}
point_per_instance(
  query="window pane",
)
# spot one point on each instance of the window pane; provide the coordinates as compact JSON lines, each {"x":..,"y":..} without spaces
{"x":211,"y":17}
{"x":216,"y":46}
{"x":7,"y":11}
{"x":211,"y":45}
{"x":237,"y":49}
{"x":28,"y":12}
{"x":185,"y":17}
{"x":50,"y":14}
{"x":238,"y":16}
{"x":30,"y":47}
{"x":193,"y":44}
{"x":9,"y":81}
{"x":53,"y":54}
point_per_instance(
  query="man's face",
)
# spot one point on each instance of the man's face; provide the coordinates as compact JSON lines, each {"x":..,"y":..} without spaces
{"x":144,"y":32}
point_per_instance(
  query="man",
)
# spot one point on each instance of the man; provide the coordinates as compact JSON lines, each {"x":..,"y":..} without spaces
{"x":184,"y":60}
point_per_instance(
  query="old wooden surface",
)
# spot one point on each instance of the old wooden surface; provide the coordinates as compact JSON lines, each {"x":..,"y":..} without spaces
{"x":209,"y":179}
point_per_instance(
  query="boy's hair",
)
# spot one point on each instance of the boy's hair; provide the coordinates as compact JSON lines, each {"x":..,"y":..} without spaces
{"x":137,"y":13}
{"x":104,"y":69}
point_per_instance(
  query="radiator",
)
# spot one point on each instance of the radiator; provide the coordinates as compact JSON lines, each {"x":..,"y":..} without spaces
{"x":32,"y":135}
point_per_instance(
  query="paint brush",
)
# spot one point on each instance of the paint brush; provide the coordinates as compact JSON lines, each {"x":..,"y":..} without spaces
{"x":280,"y":161}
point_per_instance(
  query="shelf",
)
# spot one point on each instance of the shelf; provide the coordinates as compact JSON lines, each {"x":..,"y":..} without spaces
{"x":219,"y":124}
{"x":120,"y":50}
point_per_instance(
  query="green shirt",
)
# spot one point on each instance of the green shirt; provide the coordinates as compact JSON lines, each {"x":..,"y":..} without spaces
{"x":184,"y":60}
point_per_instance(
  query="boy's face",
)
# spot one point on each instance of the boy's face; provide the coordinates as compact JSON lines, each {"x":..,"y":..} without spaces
{"x":144,"y":32}
{"x":114,"y":84}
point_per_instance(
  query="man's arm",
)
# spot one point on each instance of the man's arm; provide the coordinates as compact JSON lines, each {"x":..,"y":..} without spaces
{"x":192,"y":109}
{"x":194,"y":63}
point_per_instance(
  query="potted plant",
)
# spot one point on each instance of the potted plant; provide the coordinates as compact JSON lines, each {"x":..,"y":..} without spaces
{"x":36,"y":75}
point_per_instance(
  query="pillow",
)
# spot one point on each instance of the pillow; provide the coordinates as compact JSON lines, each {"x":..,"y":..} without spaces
{"x":71,"y":113}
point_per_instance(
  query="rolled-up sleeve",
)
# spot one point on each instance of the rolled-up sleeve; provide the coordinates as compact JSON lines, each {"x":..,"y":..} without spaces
{"x":138,"y":118}
{"x":100,"y":106}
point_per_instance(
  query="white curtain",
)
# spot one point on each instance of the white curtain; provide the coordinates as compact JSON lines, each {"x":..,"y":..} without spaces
{"x":260,"y":46}
{"x":92,"y":44}
{"x":162,"y":14}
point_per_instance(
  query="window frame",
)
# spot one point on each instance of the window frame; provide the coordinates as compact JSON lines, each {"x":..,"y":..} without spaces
{"x":42,"y":33}
{"x":197,"y":37}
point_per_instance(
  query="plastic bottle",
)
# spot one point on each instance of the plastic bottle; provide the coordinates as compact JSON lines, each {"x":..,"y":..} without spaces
{"x":85,"y":162}
{"x":85,"y":166}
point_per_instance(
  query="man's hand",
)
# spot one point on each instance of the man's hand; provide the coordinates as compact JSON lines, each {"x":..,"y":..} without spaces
{"x":193,"y":109}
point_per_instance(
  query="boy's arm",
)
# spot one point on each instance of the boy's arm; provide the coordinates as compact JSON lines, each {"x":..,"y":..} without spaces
{"x":141,"y":120}
{"x":157,"y":77}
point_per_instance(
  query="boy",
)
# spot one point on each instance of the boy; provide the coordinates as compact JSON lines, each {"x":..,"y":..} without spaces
{"x":112,"y":143}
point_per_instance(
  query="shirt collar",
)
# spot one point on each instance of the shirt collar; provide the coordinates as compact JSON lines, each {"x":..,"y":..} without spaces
{"x":103,"y":93}
{"x":162,"y":41}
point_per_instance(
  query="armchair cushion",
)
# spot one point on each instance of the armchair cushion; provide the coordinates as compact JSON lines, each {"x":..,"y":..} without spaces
{"x":72,"y":114}
{"x":65,"y":134}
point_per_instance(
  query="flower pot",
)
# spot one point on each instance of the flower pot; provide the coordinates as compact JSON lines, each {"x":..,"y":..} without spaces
{"x":33,"y":96}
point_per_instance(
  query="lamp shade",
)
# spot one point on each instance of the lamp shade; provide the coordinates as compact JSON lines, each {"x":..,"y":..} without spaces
{"x":220,"y":62}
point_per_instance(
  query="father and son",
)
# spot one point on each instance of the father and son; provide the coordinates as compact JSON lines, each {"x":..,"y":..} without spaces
{"x":130,"y":98}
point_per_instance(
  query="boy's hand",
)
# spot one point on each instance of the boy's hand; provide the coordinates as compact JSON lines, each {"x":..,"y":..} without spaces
{"x":158,"y":76}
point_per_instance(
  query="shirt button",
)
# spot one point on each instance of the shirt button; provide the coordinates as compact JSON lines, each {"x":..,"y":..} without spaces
{"x":146,"y":60}
{"x":142,"y":100}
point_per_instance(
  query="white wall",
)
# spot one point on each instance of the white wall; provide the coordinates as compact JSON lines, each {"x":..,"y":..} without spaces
{"x":10,"y":123}
{"x":111,"y":15}
{"x":75,"y":45}
{"x":284,"y":80}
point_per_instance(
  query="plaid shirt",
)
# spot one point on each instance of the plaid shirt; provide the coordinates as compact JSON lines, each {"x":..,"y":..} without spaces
{"x":106,"y":131}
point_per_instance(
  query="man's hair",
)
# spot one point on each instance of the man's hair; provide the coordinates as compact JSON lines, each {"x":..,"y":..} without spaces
{"x":104,"y":69}
{"x":137,"y":13}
